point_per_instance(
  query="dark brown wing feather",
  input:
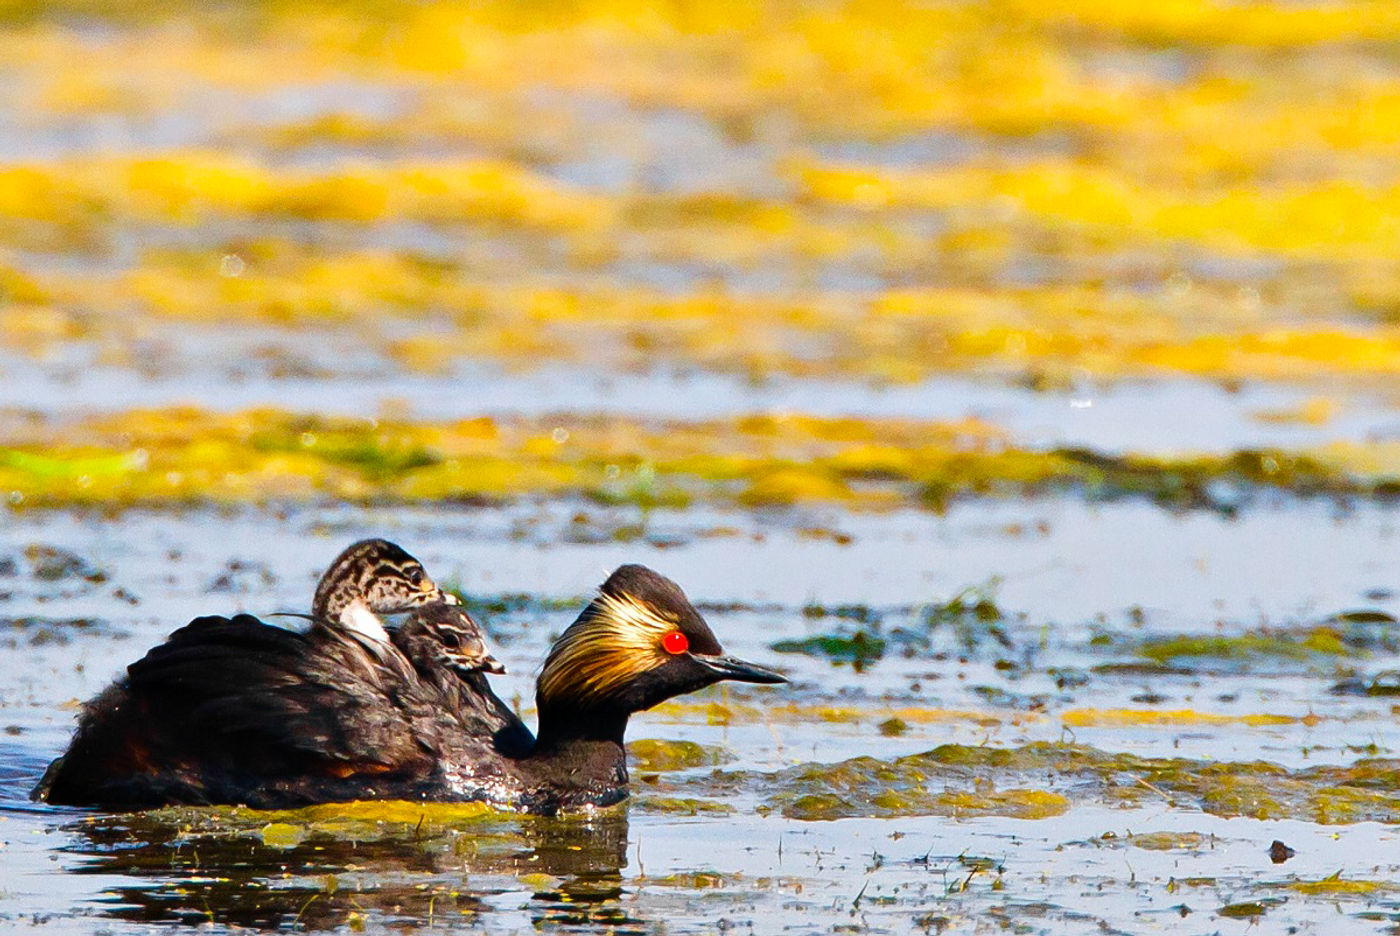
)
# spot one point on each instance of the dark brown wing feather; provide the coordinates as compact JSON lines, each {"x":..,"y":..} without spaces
{"x":235,"y":710}
{"x":242,"y":681}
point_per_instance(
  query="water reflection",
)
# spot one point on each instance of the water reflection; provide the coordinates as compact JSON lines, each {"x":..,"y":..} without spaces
{"x":236,"y":868}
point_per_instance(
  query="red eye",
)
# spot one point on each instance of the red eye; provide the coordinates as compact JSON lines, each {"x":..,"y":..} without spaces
{"x":675,"y":642}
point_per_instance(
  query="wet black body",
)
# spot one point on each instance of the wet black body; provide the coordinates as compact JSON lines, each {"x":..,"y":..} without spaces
{"x":233,"y":710}
{"x":240,"y":711}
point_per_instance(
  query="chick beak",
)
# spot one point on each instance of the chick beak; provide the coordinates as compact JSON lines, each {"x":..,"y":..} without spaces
{"x":728,"y":667}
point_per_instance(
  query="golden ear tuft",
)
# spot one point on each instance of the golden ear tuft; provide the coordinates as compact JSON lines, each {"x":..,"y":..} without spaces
{"x":615,"y":640}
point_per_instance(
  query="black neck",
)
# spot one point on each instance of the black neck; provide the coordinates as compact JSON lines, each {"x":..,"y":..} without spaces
{"x":579,"y":758}
{"x":563,"y":727}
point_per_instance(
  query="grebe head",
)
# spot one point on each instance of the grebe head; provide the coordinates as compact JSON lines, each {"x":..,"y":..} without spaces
{"x":370,"y":578}
{"x":638,"y":643}
{"x":444,"y":633}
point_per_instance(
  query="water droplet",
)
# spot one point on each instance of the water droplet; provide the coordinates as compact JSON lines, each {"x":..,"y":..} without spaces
{"x":232,"y":265}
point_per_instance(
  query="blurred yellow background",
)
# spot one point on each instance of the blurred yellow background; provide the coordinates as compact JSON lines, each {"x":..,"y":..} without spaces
{"x":881,"y":193}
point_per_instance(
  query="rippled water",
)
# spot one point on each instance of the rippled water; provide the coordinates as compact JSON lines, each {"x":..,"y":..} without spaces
{"x":337,"y":375}
{"x":1079,"y":592}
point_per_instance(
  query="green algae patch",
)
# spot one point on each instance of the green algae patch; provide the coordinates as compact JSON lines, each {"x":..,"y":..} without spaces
{"x":283,"y":834}
{"x":785,"y":487}
{"x":892,"y":727}
{"x":681,"y":806}
{"x":954,"y":780}
{"x":860,"y":649}
{"x":1295,"y":645}
{"x":1242,"y":796}
{"x":539,"y":881}
{"x":696,"y":880}
{"x":366,"y":820}
{"x":1349,"y":634}
{"x":1249,"y":909}
{"x":1038,"y":756}
{"x":181,"y":456}
{"x":889,"y":804}
{"x":72,"y":467}
{"x":869,"y":787}
{"x":1334,"y":884}
{"x":395,"y":812}
{"x":737,"y":713}
{"x":1015,"y":804}
{"x":1168,"y":841}
{"x":192,"y":186}
{"x":663,"y":756}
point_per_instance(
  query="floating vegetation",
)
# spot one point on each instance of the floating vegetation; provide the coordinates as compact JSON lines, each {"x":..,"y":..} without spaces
{"x":358,"y":821}
{"x":662,"y":756}
{"x":175,"y":457}
{"x":54,"y":564}
{"x":860,"y":649}
{"x":1085,"y":717}
{"x":961,"y":780}
{"x":681,"y":806}
{"x":972,"y":616}
{"x":1250,"y":909}
{"x":1384,"y":684}
{"x":1345,"y":635}
{"x":964,"y":623}
{"x":1246,"y":647}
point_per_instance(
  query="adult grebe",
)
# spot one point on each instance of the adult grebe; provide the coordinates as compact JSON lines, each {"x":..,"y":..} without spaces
{"x":237,"y":711}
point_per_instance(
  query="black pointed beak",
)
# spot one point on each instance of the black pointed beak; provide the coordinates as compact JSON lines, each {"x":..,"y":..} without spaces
{"x":728,"y":667}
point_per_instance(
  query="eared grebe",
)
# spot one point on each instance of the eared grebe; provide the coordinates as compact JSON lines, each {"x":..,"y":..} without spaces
{"x":232,"y":710}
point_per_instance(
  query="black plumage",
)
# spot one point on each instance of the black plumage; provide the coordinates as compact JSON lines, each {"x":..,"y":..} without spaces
{"x":234,"y":710}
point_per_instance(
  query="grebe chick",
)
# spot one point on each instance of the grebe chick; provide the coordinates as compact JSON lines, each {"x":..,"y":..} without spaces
{"x":370,"y":578}
{"x":443,"y":635}
{"x":375,"y":577}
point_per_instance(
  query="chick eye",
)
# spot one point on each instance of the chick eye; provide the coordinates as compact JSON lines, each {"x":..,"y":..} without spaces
{"x":450,"y":639}
{"x":415,"y":577}
{"x":675,"y":642}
